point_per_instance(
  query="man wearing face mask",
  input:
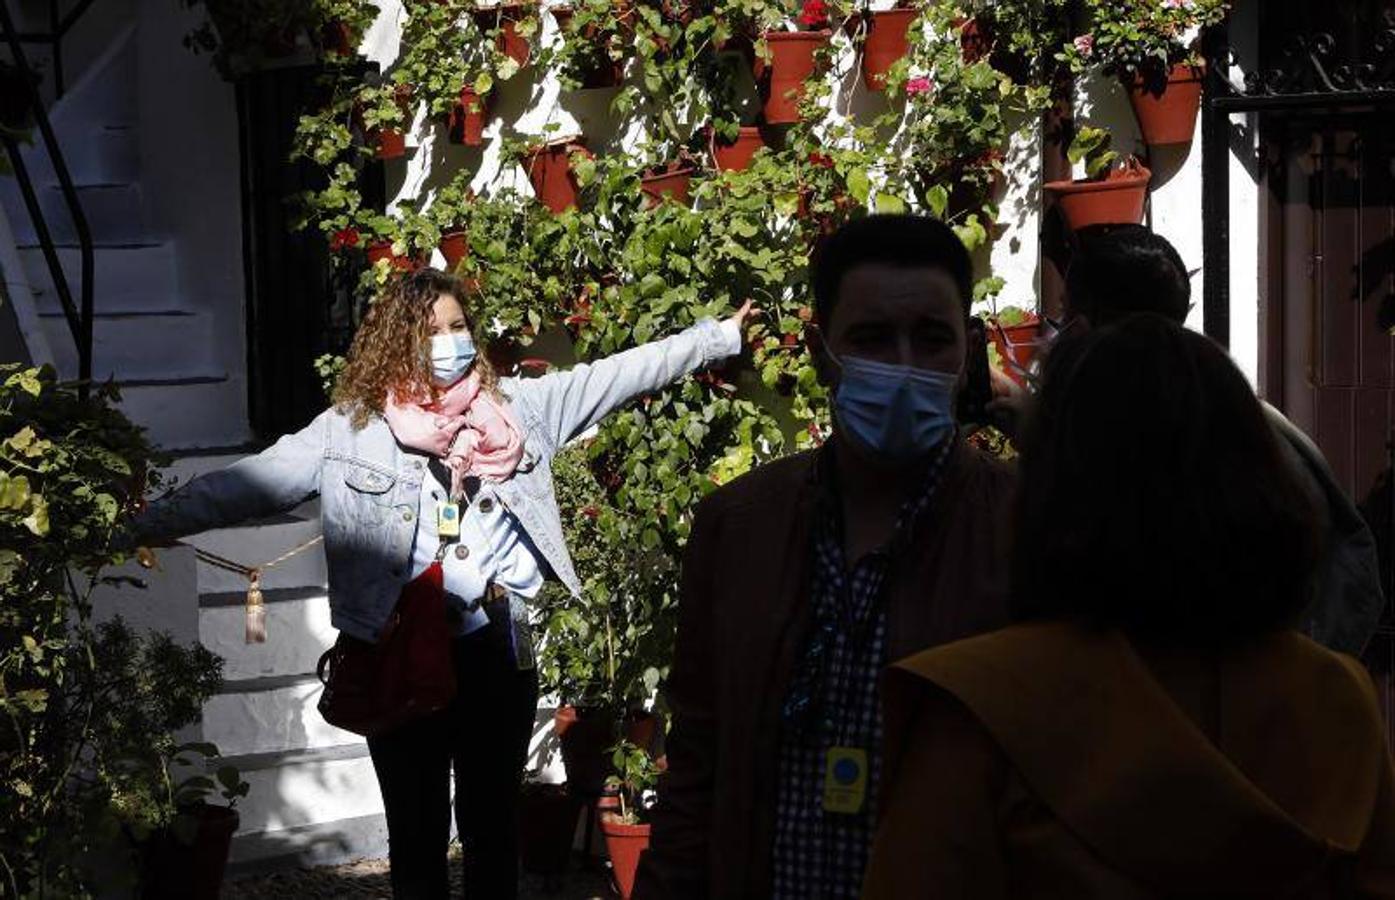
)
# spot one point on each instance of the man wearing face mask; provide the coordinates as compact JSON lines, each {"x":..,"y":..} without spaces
{"x":804,"y":579}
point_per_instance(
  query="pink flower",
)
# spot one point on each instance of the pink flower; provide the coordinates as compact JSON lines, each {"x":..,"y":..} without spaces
{"x":1085,"y":44}
{"x":1177,"y":4}
{"x":919,"y":85}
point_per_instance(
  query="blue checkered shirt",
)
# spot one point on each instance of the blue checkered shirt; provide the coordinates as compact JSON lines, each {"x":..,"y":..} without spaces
{"x":833,"y":701}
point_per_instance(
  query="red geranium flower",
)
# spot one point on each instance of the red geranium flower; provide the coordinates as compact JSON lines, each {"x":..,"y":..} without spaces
{"x":344,"y":237}
{"x":820,"y":160}
{"x":814,"y":14}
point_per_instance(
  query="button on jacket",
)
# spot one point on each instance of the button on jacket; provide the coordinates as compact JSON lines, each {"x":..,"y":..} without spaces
{"x":370,"y":486}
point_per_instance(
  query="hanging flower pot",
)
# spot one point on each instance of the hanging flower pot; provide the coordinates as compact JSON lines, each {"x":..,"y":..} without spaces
{"x":380,"y":250}
{"x":624,"y":843}
{"x":886,"y":42}
{"x":1166,"y":108}
{"x":550,"y":172}
{"x":506,"y":17}
{"x":454,"y":246}
{"x":603,"y":72}
{"x":468,"y":117}
{"x":736,"y":156}
{"x":1017,"y":345}
{"x":792,"y":62}
{"x":671,"y":181}
{"x":1117,"y":198}
{"x":338,"y":39}
{"x":975,"y":39}
{"x":389,"y":143}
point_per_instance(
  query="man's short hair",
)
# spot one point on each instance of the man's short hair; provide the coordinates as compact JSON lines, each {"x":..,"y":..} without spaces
{"x":1120,"y":270}
{"x":903,"y":240}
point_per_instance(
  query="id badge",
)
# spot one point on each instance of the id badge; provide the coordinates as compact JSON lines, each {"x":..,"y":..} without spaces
{"x":448,"y":520}
{"x":845,"y":780}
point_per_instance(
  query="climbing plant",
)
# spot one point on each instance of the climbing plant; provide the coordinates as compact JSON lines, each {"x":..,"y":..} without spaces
{"x":613,"y":268}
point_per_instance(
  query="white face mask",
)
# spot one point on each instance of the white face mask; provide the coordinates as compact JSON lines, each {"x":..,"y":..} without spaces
{"x":451,"y":357}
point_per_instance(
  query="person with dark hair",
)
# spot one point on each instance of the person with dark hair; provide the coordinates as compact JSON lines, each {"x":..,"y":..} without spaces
{"x":803,"y":579}
{"x":437,"y":507}
{"x":1154,"y":726}
{"x":1123,"y":270}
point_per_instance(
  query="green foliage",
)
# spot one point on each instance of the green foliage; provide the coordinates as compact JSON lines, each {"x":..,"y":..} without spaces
{"x":1092,"y":147}
{"x":636,"y":777}
{"x":88,"y":709}
{"x":1142,"y":37}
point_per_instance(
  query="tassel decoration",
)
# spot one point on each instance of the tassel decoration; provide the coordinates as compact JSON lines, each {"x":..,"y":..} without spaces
{"x":256,"y":609}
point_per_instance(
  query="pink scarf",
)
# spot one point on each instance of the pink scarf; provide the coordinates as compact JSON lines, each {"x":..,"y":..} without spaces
{"x":467,"y":428}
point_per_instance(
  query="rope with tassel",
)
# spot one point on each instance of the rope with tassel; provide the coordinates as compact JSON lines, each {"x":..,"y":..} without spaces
{"x":255,"y":606}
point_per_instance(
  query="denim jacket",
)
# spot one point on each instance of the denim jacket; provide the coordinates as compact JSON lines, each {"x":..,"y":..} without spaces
{"x":369,"y":485}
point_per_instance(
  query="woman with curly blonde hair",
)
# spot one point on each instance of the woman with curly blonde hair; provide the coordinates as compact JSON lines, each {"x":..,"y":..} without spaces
{"x":434,"y":475}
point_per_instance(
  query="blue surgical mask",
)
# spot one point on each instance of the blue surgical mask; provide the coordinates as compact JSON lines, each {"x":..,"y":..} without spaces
{"x":451,"y":356}
{"x":900,"y":413}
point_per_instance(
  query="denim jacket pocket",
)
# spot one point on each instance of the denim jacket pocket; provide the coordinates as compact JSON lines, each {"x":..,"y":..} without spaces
{"x":371,"y":483}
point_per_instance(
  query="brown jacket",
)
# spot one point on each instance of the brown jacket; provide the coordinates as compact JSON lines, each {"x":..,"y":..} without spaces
{"x":743,"y":617}
{"x":1049,"y":761}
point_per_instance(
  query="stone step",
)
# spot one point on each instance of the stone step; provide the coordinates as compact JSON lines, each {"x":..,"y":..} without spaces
{"x":297,"y":627}
{"x":305,"y":846}
{"x":107,"y":154}
{"x":186,"y":413}
{"x":126,"y":278}
{"x":138,"y":345}
{"x":277,"y":714}
{"x":115,"y":213}
{"x":298,"y":789}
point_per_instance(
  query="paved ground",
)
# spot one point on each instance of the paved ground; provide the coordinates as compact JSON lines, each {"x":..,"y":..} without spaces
{"x":368,"y":880}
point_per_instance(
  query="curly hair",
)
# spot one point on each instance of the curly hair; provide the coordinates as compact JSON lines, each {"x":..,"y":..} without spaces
{"x":391,"y":353}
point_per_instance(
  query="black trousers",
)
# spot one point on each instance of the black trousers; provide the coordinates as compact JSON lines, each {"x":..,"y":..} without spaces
{"x":484,"y":736}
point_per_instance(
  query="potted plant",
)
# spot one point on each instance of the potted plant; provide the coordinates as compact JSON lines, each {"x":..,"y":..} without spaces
{"x":671,"y":181}
{"x":1109,"y":193}
{"x":550,"y":168}
{"x":733,"y":148}
{"x":470,"y":113}
{"x":597,"y":37}
{"x":383,"y":113}
{"x":450,"y":212}
{"x":1015,"y":334}
{"x":546,"y":826}
{"x":187,"y":854}
{"x":625,"y":829}
{"x":1151,"y":48}
{"x":511,"y":27}
{"x":785,"y":60}
{"x":343,"y":24}
{"x":884,"y":40}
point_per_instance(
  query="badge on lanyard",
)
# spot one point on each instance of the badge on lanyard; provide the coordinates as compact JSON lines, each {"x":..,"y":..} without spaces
{"x":845,"y":780}
{"x":448,"y":519}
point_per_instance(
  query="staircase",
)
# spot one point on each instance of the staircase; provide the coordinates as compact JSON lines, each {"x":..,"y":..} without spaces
{"x":314,"y":797}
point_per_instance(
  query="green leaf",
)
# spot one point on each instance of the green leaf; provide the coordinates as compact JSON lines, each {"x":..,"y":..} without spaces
{"x":890,"y":204}
{"x":937,"y":198}
{"x":859,"y":185}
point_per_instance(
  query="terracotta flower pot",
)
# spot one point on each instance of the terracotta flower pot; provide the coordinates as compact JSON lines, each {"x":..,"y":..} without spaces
{"x":624,"y":843}
{"x":886,"y":42}
{"x":586,"y":735}
{"x":546,"y":827}
{"x":1017,"y":346}
{"x":607,"y":73}
{"x":468,"y":118}
{"x":550,"y":172}
{"x":454,"y":246}
{"x":339,"y":39}
{"x":380,"y":250}
{"x":190,"y":871}
{"x":975,"y":39}
{"x":792,"y":63}
{"x":1116,"y":199}
{"x":1166,"y":109}
{"x":507,"y":17}
{"x":736,"y":156}
{"x":389,"y":143}
{"x":671,"y":181}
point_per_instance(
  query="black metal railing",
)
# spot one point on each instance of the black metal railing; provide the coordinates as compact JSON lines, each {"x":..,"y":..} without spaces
{"x":59,"y":25}
{"x":30,"y":108}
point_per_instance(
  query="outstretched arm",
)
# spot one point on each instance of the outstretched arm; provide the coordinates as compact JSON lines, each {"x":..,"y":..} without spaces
{"x":279,"y":478}
{"x":572,"y":401}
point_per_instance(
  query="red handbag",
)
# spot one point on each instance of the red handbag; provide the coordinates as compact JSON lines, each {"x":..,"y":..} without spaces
{"x":372,"y":688}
